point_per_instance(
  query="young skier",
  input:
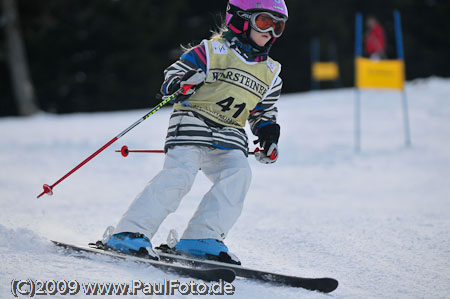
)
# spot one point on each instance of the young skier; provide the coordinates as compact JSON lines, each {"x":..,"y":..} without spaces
{"x":234,"y":80}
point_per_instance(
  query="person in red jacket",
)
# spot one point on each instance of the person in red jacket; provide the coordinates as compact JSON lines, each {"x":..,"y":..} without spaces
{"x":375,"y":41}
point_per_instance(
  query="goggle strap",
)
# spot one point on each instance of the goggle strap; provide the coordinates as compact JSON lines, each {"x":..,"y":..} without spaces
{"x":232,"y":9}
{"x":246,"y":24}
{"x":234,"y":28}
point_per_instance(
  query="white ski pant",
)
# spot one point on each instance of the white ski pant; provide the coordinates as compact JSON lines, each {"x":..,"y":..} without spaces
{"x":220,"y":207}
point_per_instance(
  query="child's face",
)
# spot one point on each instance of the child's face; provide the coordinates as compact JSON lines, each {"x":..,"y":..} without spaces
{"x":260,"y":38}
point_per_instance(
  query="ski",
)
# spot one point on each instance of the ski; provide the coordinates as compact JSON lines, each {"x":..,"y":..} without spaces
{"x":324,"y":285}
{"x":211,"y":274}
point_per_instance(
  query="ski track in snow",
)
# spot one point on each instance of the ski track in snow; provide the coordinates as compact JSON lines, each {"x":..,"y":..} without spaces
{"x":378,"y":221}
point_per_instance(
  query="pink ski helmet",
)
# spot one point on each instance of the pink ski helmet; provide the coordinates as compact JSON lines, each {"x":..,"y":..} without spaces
{"x":273,"y":6}
{"x":239,"y":13}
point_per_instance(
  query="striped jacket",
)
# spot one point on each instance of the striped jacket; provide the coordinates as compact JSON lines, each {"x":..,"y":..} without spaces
{"x":190,"y":128}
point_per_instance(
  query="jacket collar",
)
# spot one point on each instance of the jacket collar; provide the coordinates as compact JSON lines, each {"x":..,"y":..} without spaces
{"x":246,"y":50}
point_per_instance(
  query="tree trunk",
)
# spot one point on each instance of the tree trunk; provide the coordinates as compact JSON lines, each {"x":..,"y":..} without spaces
{"x":20,"y":78}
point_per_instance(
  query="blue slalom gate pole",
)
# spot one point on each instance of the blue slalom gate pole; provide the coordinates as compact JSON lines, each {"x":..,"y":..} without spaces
{"x":357,"y":104}
{"x":400,"y":54}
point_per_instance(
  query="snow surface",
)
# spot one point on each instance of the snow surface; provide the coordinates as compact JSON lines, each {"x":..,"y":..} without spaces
{"x":378,"y":221}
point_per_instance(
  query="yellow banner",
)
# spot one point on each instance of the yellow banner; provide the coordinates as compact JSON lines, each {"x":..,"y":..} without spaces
{"x":380,"y":73}
{"x":323,"y":71}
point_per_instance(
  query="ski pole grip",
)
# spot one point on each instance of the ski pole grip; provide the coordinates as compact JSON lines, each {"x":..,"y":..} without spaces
{"x":186,"y":88}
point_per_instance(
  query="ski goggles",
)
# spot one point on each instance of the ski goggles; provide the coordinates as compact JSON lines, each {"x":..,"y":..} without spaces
{"x":266,"y":22}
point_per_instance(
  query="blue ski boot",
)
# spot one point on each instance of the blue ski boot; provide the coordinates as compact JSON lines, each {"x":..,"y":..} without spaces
{"x":132,"y":243}
{"x":210,"y":249}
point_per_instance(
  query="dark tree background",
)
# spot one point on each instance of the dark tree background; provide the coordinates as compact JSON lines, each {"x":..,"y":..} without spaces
{"x":104,"y":55}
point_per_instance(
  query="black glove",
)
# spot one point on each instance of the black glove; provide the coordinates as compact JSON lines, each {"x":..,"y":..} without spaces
{"x":192,"y":77}
{"x":268,"y":140}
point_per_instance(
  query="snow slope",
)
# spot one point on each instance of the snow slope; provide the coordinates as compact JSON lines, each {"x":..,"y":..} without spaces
{"x":378,"y":221}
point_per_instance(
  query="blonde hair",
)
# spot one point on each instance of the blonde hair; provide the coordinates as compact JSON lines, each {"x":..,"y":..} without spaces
{"x":219,"y":31}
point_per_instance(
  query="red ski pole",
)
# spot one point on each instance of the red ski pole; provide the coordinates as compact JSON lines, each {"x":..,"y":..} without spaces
{"x":124,"y":151}
{"x":48,"y":189}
